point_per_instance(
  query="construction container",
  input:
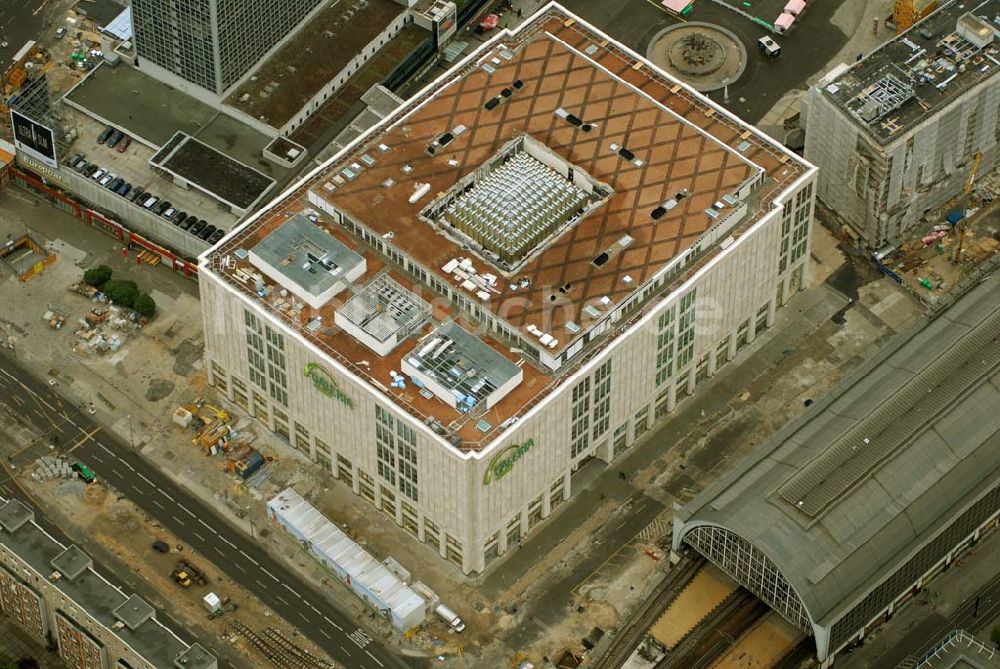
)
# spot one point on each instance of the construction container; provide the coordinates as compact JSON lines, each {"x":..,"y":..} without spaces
{"x":212,"y":603}
{"x":247,"y":467}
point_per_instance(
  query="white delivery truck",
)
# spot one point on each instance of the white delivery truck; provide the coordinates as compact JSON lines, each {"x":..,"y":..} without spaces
{"x":450,"y":617}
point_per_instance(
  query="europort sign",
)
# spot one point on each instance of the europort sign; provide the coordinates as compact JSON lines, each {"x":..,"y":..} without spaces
{"x":326,"y":384}
{"x":504,"y":461}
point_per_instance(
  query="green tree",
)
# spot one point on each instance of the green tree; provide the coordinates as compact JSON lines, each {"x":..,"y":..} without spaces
{"x":122,"y":293}
{"x":97,"y":276}
{"x":145,"y":305}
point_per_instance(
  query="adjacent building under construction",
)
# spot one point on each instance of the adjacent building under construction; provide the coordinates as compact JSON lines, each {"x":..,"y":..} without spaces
{"x":901,"y":131}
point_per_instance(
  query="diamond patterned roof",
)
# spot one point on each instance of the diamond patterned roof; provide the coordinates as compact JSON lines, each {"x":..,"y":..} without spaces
{"x":557,"y":73}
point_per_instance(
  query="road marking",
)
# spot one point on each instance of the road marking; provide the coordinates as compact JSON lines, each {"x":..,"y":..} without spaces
{"x":96,"y":457}
{"x":200,"y":538}
{"x":248,"y":557}
{"x":360,"y":638}
{"x":160,"y":506}
{"x":115,"y":472}
{"x":179,"y":521}
{"x":374,"y":659}
{"x":344,"y":651}
{"x":323,"y":632}
{"x":333,"y":623}
{"x":19,"y":401}
{"x":292,"y":591}
{"x":187,"y":511}
{"x":257,"y":581}
{"x":88,"y":436}
{"x":273,"y":577}
{"x":313,"y":607}
{"x":240,"y":567}
{"x":150,"y":483}
{"x":167,"y":495}
{"x":136,"y":489}
{"x":282,"y":600}
{"x":131,"y":468}
{"x":219,"y":551}
{"x":303,"y":617}
{"x":207,"y":526}
{"x":231,"y":544}
{"x":107,"y":450}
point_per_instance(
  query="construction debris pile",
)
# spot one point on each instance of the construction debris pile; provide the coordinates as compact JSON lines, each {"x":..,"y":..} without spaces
{"x":956,"y":238}
{"x":276,"y":647}
{"x":214,"y":434}
{"x":52,"y":467}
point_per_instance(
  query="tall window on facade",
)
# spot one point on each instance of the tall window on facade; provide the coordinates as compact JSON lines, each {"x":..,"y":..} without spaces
{"x":665,"y":346}
{"x":396,"y":450}
{"x":602,"y":400}
{"x":255,"y":350}
{"x":685,"y":330}
{"x":580,"y":430}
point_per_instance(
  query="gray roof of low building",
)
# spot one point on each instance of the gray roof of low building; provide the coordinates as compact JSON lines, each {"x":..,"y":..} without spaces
{"x":306,"y":255}
{"x":841,"y":497}
{"x":89,"y":590}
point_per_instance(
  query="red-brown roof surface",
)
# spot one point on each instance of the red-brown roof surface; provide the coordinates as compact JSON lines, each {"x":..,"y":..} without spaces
{"x":683,"y":142}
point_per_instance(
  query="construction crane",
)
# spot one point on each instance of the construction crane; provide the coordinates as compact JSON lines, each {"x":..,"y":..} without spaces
{"x":907,"y":12}
{"x":966,"y":194}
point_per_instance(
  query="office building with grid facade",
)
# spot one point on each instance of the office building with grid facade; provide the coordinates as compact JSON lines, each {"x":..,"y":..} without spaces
{"x":460,"y":380}
{"x":205,"y":47}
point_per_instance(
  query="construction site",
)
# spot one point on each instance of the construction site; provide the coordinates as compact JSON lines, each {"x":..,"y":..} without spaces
{"x":902,"y":131}
{"x":177,"y":578}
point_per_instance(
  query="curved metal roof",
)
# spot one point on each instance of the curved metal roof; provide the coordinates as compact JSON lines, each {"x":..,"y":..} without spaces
{"x":842,"y":496}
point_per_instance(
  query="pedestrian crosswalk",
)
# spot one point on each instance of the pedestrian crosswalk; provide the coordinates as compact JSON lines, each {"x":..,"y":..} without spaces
{"x":661,"y":527}
{"x":360,"y":638}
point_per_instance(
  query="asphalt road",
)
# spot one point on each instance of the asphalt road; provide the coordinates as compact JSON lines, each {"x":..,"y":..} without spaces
{"x":200,"y":527}
{"x":20,"y":21}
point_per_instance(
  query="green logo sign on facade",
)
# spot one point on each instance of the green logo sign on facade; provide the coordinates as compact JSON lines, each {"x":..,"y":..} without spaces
{"x":504,"y":461}
{"x":326,"y":384}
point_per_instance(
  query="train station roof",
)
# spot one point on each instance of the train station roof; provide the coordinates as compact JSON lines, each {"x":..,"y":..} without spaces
{"x":844,"y":495}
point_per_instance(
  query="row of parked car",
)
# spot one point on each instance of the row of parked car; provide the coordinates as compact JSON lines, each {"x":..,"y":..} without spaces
{"x":198,"y":227}
{"x":114,"y":139}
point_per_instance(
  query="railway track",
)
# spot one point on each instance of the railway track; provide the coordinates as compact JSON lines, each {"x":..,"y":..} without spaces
{"x":964,"y":617}
{"x":716,"y":633}
{"x":631,"y":633}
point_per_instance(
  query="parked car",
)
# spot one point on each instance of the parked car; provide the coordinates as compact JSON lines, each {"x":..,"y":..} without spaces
{"x":207,"y":232}
{"x":197,"y":227}
{"x":98,"y":175}
{"x":148,"y":204}
{"x":169,"y":214}
{"x":82,"y":166}
{"x":105,"y":135}
{"x":161,"y":546}
{"x":770,"y":48}
{"x":74,"y":160}
{"x":115,"y":183}
{"x":115,"y":138}
{"x":124,"y":189}
{"x":179,"y":218}
{"x":191,"y":220}
{"x":60,"y":32}
{"x":216,"y":236}
{"x":162,"y":207}
{"x":124,"y":144}
{"x":137,"y":192}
